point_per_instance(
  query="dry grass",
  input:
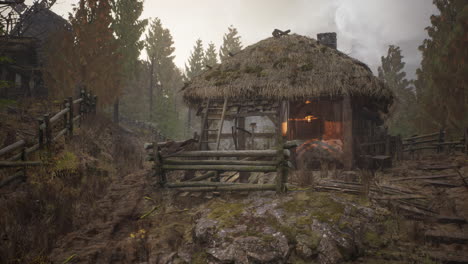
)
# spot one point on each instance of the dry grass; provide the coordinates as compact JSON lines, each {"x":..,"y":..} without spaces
{"x":62,"y":196}
{"x":291,"y":67}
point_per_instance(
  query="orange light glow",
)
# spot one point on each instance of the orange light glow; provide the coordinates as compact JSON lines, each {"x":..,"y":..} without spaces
{"x":284,"y":128}
{"x":309,"y":118}
{"x":307,"y":102}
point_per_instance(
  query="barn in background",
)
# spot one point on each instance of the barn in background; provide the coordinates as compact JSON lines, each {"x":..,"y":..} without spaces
{"x":290,"y":87}
{"x":22,"y":45}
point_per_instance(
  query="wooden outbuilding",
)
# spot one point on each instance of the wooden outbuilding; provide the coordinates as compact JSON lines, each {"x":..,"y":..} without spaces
{"x":290,"y":87}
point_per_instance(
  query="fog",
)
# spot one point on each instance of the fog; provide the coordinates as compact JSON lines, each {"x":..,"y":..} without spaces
{"x":365,"y":28}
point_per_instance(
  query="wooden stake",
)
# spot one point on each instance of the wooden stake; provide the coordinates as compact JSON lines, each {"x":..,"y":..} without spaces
{"x":48,"y":131}
{"x":70,"y":117}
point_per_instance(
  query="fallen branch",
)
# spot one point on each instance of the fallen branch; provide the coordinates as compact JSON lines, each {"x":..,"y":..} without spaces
{"x":149,"y":212}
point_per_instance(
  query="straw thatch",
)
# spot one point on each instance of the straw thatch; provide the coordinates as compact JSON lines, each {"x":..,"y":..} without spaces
{"x":290,"y":67}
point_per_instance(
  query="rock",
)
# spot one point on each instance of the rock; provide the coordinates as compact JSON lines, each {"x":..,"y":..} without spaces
{"x":253,"y":249}
{"x":328,"y":251}
{"x":204,"y":230}
{"x":306,"y":246}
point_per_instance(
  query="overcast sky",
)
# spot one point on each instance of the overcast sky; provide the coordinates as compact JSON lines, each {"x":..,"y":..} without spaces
{"x":365,"y":28}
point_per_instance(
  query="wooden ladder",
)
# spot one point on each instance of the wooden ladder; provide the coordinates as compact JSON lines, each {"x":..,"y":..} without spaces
{"x":212,"y":114}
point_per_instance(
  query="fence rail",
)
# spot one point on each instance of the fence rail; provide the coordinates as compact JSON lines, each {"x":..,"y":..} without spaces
{"x":211,"y":162}
{"x":86,"y":105}
{"x":394,"y":146}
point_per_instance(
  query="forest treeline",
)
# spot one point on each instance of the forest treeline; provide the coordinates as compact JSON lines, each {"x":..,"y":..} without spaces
{"x":438,"y":97}
{"x":102,"y":51}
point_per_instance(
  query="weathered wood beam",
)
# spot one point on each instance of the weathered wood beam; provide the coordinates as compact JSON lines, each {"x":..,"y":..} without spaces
{"x":226,"y":153}
{"x":221,"y":168}
{"x":56,"y":117}
{"x":17,"y":176}
{"x":424,"y":177}
{"x":219,"y":162}
{"x":77,"y":101}
{"x":420,"y":142}
{"x":198,"y":184}
{"x":60,"y":134}
{"x":422,"y":136}
{"x":243,"y":187}
{"x":12,"y":147}
{"x":11,"y":164}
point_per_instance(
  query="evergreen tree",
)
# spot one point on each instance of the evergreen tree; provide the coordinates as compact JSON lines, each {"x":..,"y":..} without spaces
{"x":87,"y":55}
{"x":211,"y":58}
{"x":391,"y":72}
{"x":128,"y":28}
{"x":195,"y":63}
{"x":166,"y":78}
{"x":159,"y":47}
{"x":442,"y":83}
{"x":231,"y":44}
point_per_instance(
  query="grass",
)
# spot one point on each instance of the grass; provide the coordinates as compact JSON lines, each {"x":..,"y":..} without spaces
{"x":4,"y":103}
{"x":226,"y":214}
{"x":320,"y":206}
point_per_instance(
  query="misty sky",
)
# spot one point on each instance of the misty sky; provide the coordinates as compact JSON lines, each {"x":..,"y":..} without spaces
{"x":365,"y":27}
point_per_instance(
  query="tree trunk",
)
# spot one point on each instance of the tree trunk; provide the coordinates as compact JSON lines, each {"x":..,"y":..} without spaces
{"x":150,"y":91}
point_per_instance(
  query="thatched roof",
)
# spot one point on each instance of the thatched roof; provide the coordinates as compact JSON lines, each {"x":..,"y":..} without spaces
{"x":290,"y":67}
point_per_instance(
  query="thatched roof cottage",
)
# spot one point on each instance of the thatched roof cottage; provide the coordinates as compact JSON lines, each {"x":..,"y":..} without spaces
{"x":291,"y":86}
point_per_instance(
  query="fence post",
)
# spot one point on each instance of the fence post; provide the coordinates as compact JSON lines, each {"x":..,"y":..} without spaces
{"x":158,"y":171}
{"x":70,"y":117}
{"x":282,"y":169}
{"x":48,"y":131}
{"x":65,"y":118}
{"x":440,"y":148}
{"x":23,"y":158}
{"x":40,"y":133}
{"x":399,"y":148}
{"x":88,"y":102}
{"x":387,"y":145}
{"x":82,"y":104}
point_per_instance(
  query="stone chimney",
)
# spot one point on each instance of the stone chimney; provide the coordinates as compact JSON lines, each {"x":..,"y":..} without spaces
{"x":327,"y":39}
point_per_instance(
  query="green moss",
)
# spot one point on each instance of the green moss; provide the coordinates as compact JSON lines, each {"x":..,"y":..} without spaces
{"x":374,"y":240}
{"x":200,"y":258}
{"x":6,"y":102}
{"x":226,"y":213}
{"x":304,"y":220}
{"x":320,"y":206}
{"x":289,"y":232}
{"x":67,"y":161}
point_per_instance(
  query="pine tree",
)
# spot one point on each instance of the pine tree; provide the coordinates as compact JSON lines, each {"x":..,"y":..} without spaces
{"x":166,"y":78}
{"x":195,"y":63}
{"x":128,"y":28}
{"x":87,"y":56}
{"x":211,"y":57}
{"x":231,"y":44}
{"x":442,"y":83}
{"x":159,"y":47}
{"x":391,"y":72}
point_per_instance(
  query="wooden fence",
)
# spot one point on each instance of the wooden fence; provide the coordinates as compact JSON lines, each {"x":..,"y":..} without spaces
{"x":210,"y":161}
{"x":394,"y":147}
{"x":18,"y":151}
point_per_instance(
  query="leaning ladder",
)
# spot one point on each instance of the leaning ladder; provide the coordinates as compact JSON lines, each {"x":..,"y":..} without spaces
{"x":212,"y":114}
